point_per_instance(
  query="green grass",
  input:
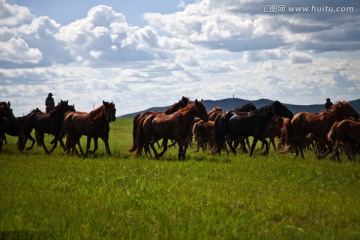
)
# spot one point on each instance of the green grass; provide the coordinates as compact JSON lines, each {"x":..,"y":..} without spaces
{"x":204,"y":197}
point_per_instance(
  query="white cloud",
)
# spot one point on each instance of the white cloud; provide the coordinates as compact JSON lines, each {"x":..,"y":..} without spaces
{"x":13,"y":15}
{"x":210,"y":49}
{"x":9,"y":51}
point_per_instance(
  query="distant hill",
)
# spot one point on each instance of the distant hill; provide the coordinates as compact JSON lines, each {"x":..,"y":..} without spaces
{"x":230,"y":103}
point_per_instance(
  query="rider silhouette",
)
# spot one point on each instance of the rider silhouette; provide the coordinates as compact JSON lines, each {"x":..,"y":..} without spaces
{"x":328,"y":104}
{"x":49,"y":102}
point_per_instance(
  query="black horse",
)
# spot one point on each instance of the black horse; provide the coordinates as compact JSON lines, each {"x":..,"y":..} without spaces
{"x":50,"y":123}
{"x":253,"y":123}
{"x":14,"y":128}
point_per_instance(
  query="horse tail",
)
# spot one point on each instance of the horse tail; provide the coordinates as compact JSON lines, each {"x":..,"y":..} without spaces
{"x":140,"y":137}
{"x":220,"y":128}
{"x":290,"y":136}
{"x":133,"y":146}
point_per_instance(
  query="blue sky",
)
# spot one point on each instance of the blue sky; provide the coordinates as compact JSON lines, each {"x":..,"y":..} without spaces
{"x":66,"y":11}
{"x":147,"y":53}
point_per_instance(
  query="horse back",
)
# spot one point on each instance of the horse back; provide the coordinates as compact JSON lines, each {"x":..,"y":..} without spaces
{"x":74,"y":122}
{"x":167,"y":125}
{"x":349,"y":128}
{"x":318,"y":124}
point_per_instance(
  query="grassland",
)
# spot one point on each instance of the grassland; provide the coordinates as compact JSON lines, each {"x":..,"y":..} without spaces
{"x":204,"y":197}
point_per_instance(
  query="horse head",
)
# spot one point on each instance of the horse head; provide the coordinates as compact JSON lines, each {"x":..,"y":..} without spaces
{"x":281,"y":110}
{"x":62,"y":107}
{"x":6,"y":111}
{"x":201,"y":110}
{"x":344,"y":110}
{"x":109,"y":111}
{"x":183,"y":102}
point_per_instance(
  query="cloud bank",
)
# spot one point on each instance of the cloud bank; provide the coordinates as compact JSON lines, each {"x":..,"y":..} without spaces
{"x":209,"y":49}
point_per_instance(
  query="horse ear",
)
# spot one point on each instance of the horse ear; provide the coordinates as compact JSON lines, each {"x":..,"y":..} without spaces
{"x":9,"y":104}
{"x":196,"y":101}
{"x":103,"y":102}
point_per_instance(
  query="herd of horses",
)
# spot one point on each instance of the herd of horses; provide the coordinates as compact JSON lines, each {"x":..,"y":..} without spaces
{"x":188,"y":122}
{"x":61,"y":121}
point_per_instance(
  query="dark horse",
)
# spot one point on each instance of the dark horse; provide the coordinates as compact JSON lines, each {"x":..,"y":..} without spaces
{"x":319,"y":125}
{"x":183,"y":102}
{"x":93,"y":124}
{"x":175,"y":126}
{"x":5,"y":113}
{"x":50,"y":123}
{"x":253,"y":123}
{"x":14,"y":128}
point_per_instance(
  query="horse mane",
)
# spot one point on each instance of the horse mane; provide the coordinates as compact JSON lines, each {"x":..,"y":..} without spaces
{"x":187,"y":109}
{"x":56,"y":108}
{"x":96,"y":113}
{"x":246,"y":107}
{"x":338,"y":105}
{"x":215,"y":109}
{"x":334,"y":109}
{"x":265,"y":110}
{"x":176,"y":106}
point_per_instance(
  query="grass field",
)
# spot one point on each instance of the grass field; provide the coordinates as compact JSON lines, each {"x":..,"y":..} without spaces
{"x":204,"y":197}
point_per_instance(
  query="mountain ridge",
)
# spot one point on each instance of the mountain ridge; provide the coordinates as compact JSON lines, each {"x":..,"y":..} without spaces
{"x":231,"y":103}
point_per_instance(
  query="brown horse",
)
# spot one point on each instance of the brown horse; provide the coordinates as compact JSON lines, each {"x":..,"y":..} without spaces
{"x":213,"y":113}
{"x":94,"y":124}
{"x":204,"y":135}
{"x":50,"y":123}
{"x":273,"y":130}
{"x":175,"y":126}
{"x":284,"y":143}
{"x":344,"y":132}
{"x":183,"y":102}
{"x":319,"y":125}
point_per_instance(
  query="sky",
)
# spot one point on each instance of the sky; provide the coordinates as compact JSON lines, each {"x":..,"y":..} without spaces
{"x":146,"y":53}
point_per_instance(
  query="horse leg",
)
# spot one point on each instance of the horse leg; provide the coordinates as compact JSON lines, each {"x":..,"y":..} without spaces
{"x":96,"y":145}
{"x":247,"y":142}
{"x":181,"y":143}
{"x":78,"y":143}
{"x":335,"y":152}
{"x":299,"y":147}
{"x":40,"y":139}
{"x":165,"y":145}
{"x":106,"y":142}
{"x":62,"y":144}
{"x":198,"y":144}
{"x":152,"y":145}
{"x":267,"y":146}
{"x":54,"y":141}
{"x":32,"y":142}
{"x":88,"y":142}
{"x":146,"y":145}
{"x":186,"y":144}
{"x":328,"y":150}
{"x":272,"y":142}
{"x":232,"y":148}
{"x":253,"y":146}
{"x":243,"y":145}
